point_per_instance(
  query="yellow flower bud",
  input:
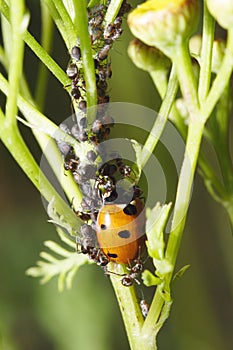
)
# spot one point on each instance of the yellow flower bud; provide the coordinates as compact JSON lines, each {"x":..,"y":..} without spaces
{"x":219,"y":47}
{"x":218,"y":52}
{"x":195,"y":45}
{"x":147,"y":57}
{"x":222,"y":11}
{"x":164,"y":23}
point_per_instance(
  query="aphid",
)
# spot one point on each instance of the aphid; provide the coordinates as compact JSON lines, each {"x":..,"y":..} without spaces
{"x":76,"y":53}
{"x":144,"y":307}
{"x":97,"y":126}
{"x":75,"y":131}
{"x":97,"y":19}
{"x":103,"y":53}
{"x":72,"y":71}
{"x":75,"y":93}
{"x":91,"y":156}
{"x":71,"y":164}
{"x":106,"y":186}
{"x":83,"y":136}
{"x":105,"y":72}
{"x":95,"y":10}
{"x":125,"y":170}
{"x":82,"y":106}
{"x":95,"y":33}
{"x":117,"y":22}
{"x":111,"y":33}
{"x":125,"y":8}
{"x":88,"y":246}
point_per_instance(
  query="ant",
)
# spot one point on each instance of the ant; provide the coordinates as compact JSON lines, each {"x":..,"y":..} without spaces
{"x":129,"y":279}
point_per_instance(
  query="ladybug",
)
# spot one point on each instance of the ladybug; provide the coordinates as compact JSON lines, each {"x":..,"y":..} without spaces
{"x":120,"y":230}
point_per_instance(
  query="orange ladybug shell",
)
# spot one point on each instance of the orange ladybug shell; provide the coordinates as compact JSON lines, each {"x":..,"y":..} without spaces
{"x":121,"y":230}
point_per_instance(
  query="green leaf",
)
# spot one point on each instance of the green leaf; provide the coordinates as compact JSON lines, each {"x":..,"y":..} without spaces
{"x":180,"y":273}
{"x":149,"y":279}
{"x":155,"y":224}
{"x":137,"y":168}
{"x":65,"y":265}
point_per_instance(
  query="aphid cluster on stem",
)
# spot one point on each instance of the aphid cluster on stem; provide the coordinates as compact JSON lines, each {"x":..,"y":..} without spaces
{"x":112,"y":209}
{"x":102,"y":37}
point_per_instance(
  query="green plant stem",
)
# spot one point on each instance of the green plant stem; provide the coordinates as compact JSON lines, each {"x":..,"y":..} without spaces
{"x":70,"y":28}
{"x":221,"y":80}
{"x":15,"y":60}
{"x":11,"y":137}
{"x":39,"y":121}
{"x":130,"y":310}
{"x":39,"y":50}
{"x":43,"y":128}
{"x":159,"y":78}
{"x":112,"y":11}
{"x":194,"y":137}
{"x":206,"y":54}
{"x":212,"y":183}
{"x":180,"y":211}
{"x":87,"y":59}
{"x":219,"y":130}
{"x":62,"y":20}
{"x":161,"y":119}
{"x":47,"y":30}
{"x":188,"y":86}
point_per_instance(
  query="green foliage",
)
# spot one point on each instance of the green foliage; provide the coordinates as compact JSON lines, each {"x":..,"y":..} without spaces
{"x":205,"y":96}
{"x":65,"y":267}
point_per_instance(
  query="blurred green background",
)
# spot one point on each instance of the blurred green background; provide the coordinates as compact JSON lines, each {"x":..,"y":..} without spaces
{"x":87,"y":317}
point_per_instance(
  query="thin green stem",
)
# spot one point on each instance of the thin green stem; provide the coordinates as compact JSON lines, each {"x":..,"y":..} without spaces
{"x":219,"y":131}
{"x":66,"y":29}
{"x":149,"y":328}
{"x":112,"y":11}
{"x":229,"y":208}
{"x":221,"y":80}
{"x":71,"y":31}
{"x":159,"y":78}
{"x":43,"y":128}
{"x":130,"y":310}
{"x":180,"y":211}
{"x":47,"y":30}
{"x":206,"y":54}
{"x":11,"y":137}
{"x":39,"y":121}
{"x":87,"y":59}
{"x":195,"y":131}
{"x":47,"y":60}
{"x":184,"y":188}
{"x":186,"y":78}
{"x":161,"y":119}
{"x":211,"y":181}
{"x":39,"y":50}
{"x":15,"y":60}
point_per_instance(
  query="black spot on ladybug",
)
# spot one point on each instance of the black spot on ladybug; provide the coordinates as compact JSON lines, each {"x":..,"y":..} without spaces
{"x":103,"y":227}
{"x":112,"y":255}
{"x":124,"y":234}
{"x":113,"y":196}
{"x":130,"y":209}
